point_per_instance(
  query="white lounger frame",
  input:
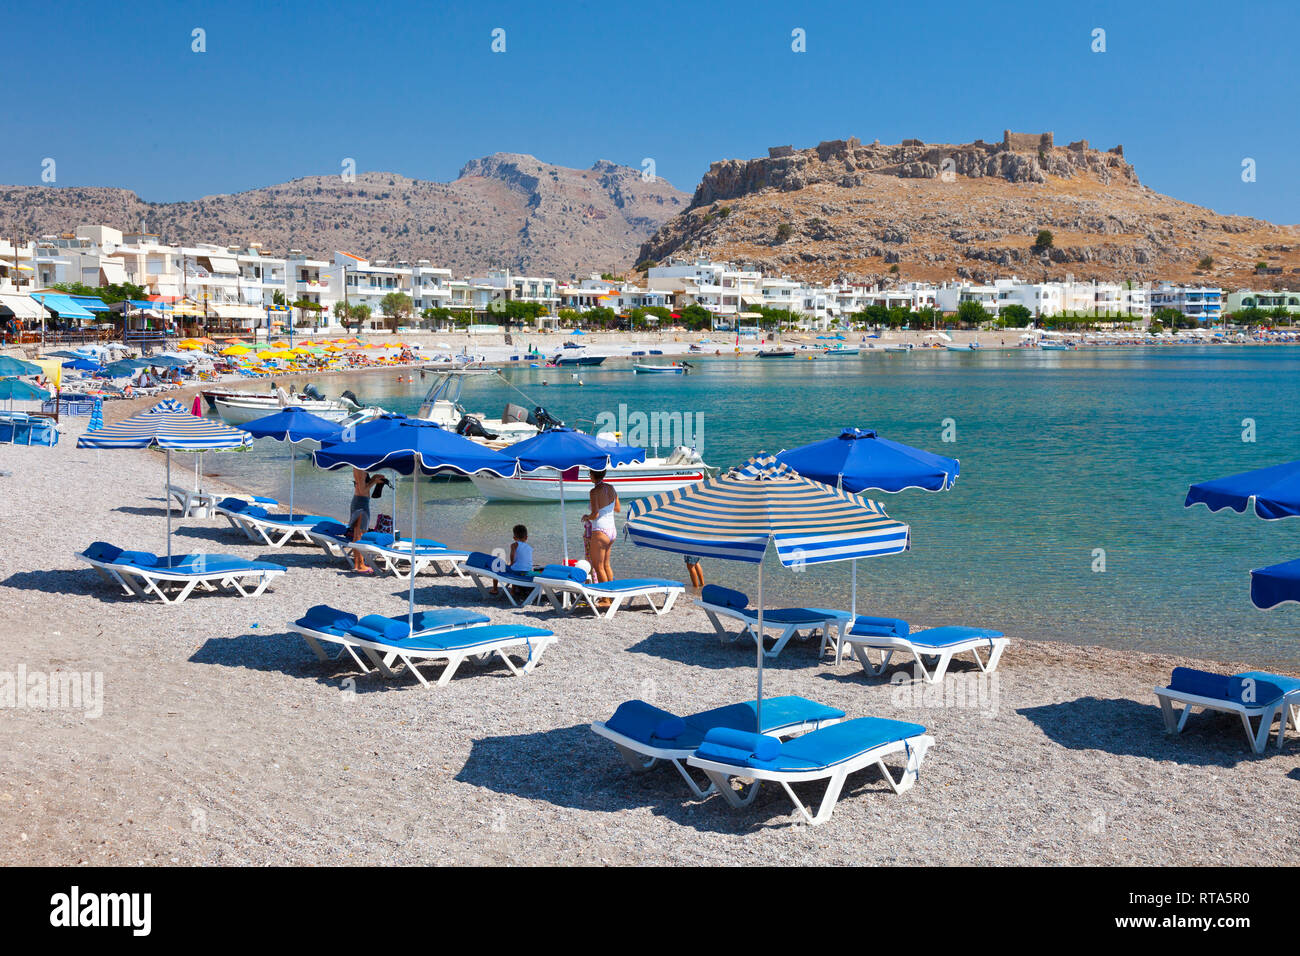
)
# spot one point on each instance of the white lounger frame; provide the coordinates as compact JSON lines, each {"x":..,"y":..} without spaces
{"x":141,"y":582}
{"x":642,"y":757}
{"x":402,"y":564}
{"x":828,"y":627}
{"x":504,"y":582}
{"x":557,"y":590}
{"x":722,"y":773}
{"x":1288,"y":706}
{"x":193,"y":502}
{"x":863,"y":644}
{"x":383,"y":655}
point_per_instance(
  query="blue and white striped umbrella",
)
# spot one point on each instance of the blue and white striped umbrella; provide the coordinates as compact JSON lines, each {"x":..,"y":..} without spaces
{"x":733,"y":516}
{"x":170,"y":427}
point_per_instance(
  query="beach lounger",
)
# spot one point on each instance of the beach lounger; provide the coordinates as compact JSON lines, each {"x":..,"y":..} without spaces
{"x":323,"y":624}
{"x":232,"y":508}
{"x":1253,"y":695}
{"x":399,"y":558}
{"x":559,"y":583}
{"x":645,"y":735}
{"x":719,"y":602}
{"x":830,"y":754}
{"x":385,"y":642}
{"x":276,"y":530}
{"x":193,"y":504}
{"x":483,"y":568}
{"x":885,"y":635}
{"x":140,"y":573}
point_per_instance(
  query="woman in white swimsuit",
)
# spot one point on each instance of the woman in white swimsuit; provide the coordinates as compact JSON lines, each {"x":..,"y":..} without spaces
{"x":604,"y":502}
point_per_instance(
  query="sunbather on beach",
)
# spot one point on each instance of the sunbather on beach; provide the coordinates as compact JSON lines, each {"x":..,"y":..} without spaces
{"x":604,"y":503}
{"x":363,"y":485}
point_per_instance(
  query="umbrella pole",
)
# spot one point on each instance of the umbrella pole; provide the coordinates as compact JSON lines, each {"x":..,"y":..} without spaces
{"x":167,"y":500}
{"x":854,"y":605}
{"x":758,"y":708}
{"x":290,"y":444}
{"x":415,"y":489}
{"x":564,"y":527}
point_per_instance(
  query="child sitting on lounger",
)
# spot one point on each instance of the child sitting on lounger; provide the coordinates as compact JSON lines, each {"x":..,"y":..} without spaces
{"x":521,"y":557}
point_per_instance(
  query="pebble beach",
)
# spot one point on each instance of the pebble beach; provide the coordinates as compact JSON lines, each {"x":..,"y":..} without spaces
{"x":222,"y":740}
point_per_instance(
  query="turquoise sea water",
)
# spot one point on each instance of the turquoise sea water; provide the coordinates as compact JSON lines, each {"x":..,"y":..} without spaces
{"x":1062,"y":454}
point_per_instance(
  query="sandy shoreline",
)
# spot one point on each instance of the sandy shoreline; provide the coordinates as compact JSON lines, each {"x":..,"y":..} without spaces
{"x":222,"y":740}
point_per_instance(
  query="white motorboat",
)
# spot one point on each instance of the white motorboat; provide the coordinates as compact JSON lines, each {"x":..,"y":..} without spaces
{"x":442,"y":406}
{"x":239,"y":409}
{"x":683,"y":467}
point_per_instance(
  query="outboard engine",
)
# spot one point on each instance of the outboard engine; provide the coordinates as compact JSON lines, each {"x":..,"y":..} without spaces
{"x":471,"y":427}
{"x":311,"y":391}
{"x":543,"y":419}
{"x":348,"y":396}
{"x":515,"y":413}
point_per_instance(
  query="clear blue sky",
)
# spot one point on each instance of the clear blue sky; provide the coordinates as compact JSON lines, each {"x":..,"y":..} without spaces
{"x":115,"y":95}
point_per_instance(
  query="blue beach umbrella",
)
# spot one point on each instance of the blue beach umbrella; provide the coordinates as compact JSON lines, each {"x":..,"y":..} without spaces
{"x":12,"y":366}
{"x":167,"y":426}
{"x":294,"y":426}
{"x":410,"y":446}
{"x":562,"y":448}
{"x":16,"y":388}
{"x":737,"y":515}
{"x":860,"y":460}
{"x":82,"y":365}
{"x":1275,"y":493}
{"x":124,"y":368}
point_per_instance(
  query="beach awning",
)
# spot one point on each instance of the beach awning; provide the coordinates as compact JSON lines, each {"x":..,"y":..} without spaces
{"x":20,"y":306}
{"x":114,"y":272}
{"x":63,"y":305}
{"x":91,"y":303}
{"x":223,"y":264}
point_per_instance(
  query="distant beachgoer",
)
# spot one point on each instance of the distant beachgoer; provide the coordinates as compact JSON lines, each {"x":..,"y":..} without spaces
{"x":604,"y":505}
{"x":521,"y":557}
{"x":693,"y":569}
{"x":363,"y":485}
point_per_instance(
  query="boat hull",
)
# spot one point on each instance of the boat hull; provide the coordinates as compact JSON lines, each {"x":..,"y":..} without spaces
{"x":234,"y":412}
{"x":630,"y":482}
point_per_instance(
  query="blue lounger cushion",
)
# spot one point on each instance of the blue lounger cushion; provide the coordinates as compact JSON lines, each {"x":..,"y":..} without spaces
{"x":634,"y":584}
{"x":1251,"y":688}
{"x":724,"y":597}
{"x":739,"y":747}
{"x":467,"y":638}
{"x":950,"y":634}
{"x":879,"y":626}
{"x":559,"y":572}
{"x":390,"y":630}
{"x":482,"y":561}
{"x":103,"y":551}
{"x":327,"y":620}
{"x":645,"y":722}
{"x":792,"y":615}
{"x":819,"y":750}
{"x":234,"y":504}
{"x":213,"y":564}
{"x":329,"y":526}
{"x":687,"y":733}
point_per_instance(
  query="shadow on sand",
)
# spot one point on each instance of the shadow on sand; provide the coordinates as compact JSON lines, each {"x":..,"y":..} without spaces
{"x":1127,"y":728}
{"x":571,"y":767}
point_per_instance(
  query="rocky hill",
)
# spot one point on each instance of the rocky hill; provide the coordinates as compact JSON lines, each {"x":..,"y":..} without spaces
{"x":935,"y":211}
{"x":506,"y":209}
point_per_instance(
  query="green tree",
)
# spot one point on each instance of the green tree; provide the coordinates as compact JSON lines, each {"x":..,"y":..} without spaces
{"x":395,"y":306}
{"x":971,"y":313}
{"x":784,"y":231}
{"x":1206,"y":263}
{"x":1015,"y":316}
{"x":695,"y":317}
{"x":1043,"y":240}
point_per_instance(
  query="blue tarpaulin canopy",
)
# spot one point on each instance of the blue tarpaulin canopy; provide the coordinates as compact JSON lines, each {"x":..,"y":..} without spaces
{"x":91,"y":303}
{"x":63,"y":305}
